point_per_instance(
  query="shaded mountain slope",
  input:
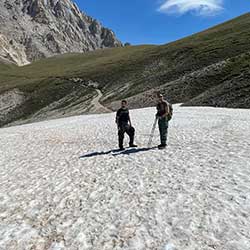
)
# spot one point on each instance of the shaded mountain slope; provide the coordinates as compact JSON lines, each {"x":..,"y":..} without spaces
{"x":34,"y":29}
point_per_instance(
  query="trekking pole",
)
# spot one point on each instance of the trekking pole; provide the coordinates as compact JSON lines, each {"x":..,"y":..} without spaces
{"x":152,"y":132}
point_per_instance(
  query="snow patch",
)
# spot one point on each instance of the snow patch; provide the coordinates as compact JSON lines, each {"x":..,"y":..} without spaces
{"x":193,"y":195}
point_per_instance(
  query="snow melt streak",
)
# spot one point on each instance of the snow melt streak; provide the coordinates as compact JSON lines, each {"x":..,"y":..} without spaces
{"x":194,"y":195}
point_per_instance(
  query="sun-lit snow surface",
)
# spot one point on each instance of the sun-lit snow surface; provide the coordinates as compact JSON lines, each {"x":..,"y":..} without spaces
{"x":193,"y":196}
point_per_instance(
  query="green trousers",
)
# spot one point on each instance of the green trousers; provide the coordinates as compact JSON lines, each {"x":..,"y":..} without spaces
{"x":163,"y":128}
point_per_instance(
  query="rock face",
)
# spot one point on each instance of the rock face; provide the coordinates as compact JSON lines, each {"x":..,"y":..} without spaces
{"x":34,"y":29}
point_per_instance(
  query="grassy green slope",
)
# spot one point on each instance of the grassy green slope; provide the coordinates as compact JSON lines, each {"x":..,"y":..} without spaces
{"x":5,"y":67}
{"x":124,"y":72}
{"x":91,"y":65}
{"x":223,"y":41}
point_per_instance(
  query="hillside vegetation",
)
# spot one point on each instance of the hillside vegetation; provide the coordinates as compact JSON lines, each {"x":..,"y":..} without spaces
{"x":209,"y":68}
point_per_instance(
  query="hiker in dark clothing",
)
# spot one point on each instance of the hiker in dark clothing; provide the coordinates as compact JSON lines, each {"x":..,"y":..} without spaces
{"x":163,"y":110}
{"x":124,"y":125}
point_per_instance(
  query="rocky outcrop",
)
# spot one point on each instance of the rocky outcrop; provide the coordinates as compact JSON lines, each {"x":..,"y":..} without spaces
{"x":10,"y":51}
{"x":10,"y":101}
{"x":34,"y":29}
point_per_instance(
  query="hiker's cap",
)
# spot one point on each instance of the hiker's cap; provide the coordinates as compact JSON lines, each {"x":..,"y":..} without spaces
{"x":160,"y":95}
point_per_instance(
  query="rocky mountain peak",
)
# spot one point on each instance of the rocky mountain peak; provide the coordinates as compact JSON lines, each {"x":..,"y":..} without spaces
{"x":34,"y":29}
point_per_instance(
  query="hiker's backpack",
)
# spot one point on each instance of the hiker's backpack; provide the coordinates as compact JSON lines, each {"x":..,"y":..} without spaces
{"x":170,"y":115}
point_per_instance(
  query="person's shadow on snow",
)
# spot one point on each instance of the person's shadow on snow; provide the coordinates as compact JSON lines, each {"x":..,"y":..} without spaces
{"x":117,"y":152}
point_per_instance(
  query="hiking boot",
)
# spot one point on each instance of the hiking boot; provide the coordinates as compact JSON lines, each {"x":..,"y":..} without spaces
{"x":133,"y":146}
{"x":121,"y":148}
{"x":162,"y":146}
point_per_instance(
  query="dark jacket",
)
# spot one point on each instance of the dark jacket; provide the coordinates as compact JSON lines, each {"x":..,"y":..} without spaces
{"x":122,"y":117}
{"x":162,"y":108}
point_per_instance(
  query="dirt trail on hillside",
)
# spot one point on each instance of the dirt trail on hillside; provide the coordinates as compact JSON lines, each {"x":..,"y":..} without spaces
{"x":97,"y":106}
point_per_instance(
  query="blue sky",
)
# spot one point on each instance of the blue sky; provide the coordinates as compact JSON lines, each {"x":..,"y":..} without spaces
{"x":161,"y":21}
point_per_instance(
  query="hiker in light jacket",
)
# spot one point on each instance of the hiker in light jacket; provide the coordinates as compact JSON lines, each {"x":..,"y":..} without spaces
{"x":163,"y":110}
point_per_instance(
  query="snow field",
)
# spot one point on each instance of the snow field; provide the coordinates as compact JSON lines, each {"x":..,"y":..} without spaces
{"x":195,"y":195}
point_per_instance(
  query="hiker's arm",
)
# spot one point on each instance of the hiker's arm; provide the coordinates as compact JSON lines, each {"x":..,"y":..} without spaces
{"x":157,"y":115}
{"x":117,"y":117}
{"x":129,"y":120}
